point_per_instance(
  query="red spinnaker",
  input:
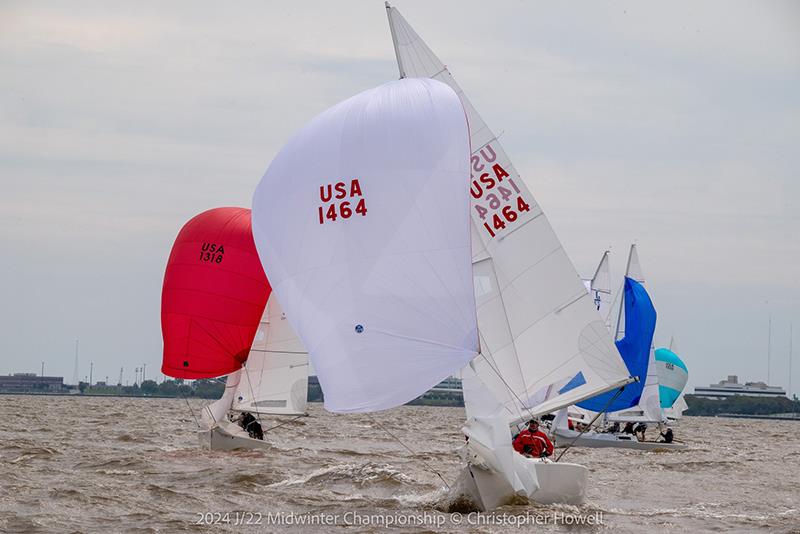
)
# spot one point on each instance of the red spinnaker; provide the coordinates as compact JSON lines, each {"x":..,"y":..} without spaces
{"x":214,"y":295}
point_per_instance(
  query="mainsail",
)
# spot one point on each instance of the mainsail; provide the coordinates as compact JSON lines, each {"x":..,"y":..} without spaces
{"x":543,"y":344}
{"x":275,"y":376}
{"x":362,"y":224}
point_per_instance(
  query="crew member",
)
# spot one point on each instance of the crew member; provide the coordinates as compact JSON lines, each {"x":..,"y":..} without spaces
{"x":613,"y":429}
{"x":252,"y":426}
{"x":628,"y":428}
{"x":667,"y":435}
{"x":533,"y":442}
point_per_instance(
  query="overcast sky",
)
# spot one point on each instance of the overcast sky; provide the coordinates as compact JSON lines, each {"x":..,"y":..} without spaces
{"x":672,"y":124}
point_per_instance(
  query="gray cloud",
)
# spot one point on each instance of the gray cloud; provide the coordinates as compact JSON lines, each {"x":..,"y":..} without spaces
{"x":675,"y":125}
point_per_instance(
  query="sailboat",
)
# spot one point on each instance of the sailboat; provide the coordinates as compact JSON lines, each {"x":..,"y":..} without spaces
{"x":214,"y":294}
{"x":640,"y":403}
{"x":543,"y":345}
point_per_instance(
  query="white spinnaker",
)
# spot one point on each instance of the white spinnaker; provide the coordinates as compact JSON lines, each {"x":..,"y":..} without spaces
{"x":382,"y":296}
{"x":218,"y":410}
{"x":538,"y":327}
{"x":275,"y":378}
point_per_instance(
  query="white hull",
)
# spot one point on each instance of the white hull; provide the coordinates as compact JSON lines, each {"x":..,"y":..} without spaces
{"x":226,"y":436}
{"x":565,"y":437}
{"x":562,"y":483}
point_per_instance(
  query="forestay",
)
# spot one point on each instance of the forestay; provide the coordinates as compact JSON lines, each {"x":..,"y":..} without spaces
{"x":362,"y":224}
{"x":543,"y":344}
{"x":275,"y":376}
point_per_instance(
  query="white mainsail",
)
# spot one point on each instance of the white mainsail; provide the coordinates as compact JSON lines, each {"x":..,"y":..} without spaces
{"x":543,"y":345}
{"x":275,"y":376}
{"x":362,"y":225}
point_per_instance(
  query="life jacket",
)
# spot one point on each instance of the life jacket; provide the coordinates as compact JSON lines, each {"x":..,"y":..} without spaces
{"x":533,"y":443}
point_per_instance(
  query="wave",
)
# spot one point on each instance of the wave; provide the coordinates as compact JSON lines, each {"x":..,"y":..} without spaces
{"x":359,"y":474}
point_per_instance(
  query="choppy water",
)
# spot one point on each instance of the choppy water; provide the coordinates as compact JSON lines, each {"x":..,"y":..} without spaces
{"x":91,"y":464}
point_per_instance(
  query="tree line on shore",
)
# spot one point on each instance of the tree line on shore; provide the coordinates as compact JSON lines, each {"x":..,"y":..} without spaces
{"x":741,"y":405}
{"x":213,"y":389}
{"x":204,"y":389}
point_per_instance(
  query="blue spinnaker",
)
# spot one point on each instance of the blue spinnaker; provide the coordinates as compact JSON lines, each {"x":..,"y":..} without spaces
{"x":640,"y":323}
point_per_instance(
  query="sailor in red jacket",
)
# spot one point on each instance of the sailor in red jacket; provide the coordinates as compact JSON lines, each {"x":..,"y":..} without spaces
{"x":533,"y":442}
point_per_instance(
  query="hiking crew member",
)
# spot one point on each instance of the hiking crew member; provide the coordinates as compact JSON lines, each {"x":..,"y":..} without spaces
{"x":533,"y":442}
{"x":252,"y":426}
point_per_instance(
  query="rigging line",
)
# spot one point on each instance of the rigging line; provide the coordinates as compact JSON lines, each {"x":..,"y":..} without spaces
{"x":284,"y":423}
{"x":612,"y":399}
{"x":406,"y":447}
{"x":508,"y":386}
{"x":252,"y":394}
{"x":508,"y":323}
{"x":491,"y":362}
{"x":192,"y":412}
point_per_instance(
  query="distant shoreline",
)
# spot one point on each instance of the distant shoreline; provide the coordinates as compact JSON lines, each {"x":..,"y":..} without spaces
{"x":118,"y":395}
{"x":436,"y":403}
{"x":770,"y":417}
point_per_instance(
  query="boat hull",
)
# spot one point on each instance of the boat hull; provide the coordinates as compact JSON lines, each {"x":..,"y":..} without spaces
{"x":225,"y":436}
{"x":562,"y":483}
{"x":597,"y":440}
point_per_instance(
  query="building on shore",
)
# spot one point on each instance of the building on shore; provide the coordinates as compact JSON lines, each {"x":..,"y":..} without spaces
{"x":31,"y":382}
{"x":731,"y":386}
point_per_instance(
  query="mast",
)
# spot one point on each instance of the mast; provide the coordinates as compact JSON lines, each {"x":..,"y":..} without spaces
{"x":769,"y":346}
{"x":394,"y":41}
{"x":75,"y":369}
{"x":790,"y":362}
